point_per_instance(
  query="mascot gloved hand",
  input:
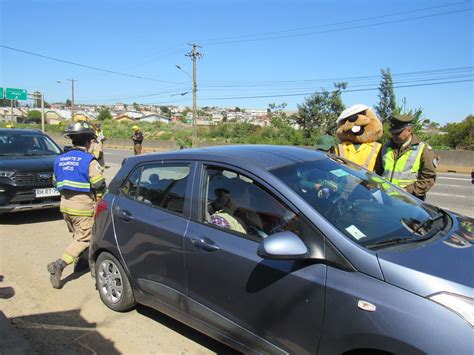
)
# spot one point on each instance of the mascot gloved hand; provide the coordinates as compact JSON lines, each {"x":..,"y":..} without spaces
{"x":359,"y":130}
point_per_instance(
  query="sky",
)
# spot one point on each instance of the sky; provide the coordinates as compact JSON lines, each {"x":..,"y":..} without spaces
{"x":255,"y":52}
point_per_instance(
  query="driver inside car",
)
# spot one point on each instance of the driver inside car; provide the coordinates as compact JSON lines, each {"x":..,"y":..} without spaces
{"x":223,"y":209}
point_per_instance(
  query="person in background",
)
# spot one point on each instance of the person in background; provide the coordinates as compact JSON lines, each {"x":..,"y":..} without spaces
{"x":405,"y":160}
{"x":78,"y":177}
{"x":137,"y":138}
{"x":326,"y":143}
{"x":97,"y":146}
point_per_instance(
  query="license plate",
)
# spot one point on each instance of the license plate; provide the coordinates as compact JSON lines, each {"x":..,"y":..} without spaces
{"x":46,"y":192}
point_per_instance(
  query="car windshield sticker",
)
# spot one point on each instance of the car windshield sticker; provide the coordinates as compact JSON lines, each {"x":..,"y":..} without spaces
{"x":339,"y":172}
{"x":355,"y":232}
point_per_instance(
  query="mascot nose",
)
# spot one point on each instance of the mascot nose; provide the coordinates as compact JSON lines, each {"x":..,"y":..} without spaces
{"x":352,"y":118}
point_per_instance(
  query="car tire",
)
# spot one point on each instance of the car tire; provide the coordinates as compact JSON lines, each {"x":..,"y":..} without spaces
{"x":113,"y":284}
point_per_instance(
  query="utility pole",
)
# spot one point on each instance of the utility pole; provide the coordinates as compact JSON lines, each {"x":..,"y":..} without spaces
{"x":194,"y":54}
{"x":72,"y":96}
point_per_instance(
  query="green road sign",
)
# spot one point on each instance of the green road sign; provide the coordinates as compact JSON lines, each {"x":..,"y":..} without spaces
{"x":16,"y":94}
{"x":1,"y":93}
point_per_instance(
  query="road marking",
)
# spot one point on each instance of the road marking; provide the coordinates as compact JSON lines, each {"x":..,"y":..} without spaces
{"x":452,"y":178}
{"x":111,"y":164}
{"x":451,"y":195}
{"x":443,"y":185}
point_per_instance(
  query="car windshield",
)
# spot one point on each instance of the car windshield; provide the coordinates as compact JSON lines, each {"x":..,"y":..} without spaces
{"x":26,"y":145}
{"x":365,"y":207}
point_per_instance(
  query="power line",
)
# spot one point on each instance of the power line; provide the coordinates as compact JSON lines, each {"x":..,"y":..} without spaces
{"x":290,"y":91}
{"x":311,"y":93}
{"x":339,"y":29}
{"x":338,"y":23}
{"x":277,"y":82}
{"x":86,"y":66}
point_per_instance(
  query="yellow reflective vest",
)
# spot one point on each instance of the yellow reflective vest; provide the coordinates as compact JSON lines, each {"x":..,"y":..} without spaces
{"x":365,"y":155}
{"x":403,"y":171}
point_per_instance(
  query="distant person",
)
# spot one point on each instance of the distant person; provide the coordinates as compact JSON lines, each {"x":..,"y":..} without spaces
{"x":137,"y":140}
{"x":405,"y":160}
{"x":97,"y":146}
{"x":326,"y":143}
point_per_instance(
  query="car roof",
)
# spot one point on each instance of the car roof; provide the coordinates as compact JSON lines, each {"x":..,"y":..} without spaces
{"x":17,"y":131}
{"x":265,"y":156}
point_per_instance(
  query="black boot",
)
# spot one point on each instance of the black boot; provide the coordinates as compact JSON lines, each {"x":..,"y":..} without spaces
{"x":55,"y":270}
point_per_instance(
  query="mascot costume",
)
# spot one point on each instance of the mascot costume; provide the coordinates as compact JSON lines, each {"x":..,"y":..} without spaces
{"x":358,"y":131}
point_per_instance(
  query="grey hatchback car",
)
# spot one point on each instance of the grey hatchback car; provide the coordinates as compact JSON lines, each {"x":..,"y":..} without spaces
{"x":274,"y":249}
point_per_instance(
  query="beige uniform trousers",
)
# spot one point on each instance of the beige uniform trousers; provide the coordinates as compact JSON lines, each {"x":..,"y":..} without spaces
{"x":81,"y":227}
{"x":137,"y":149}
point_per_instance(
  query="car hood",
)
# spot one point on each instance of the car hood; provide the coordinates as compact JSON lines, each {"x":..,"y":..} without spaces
{"x":445,"y":264}
{"x":27,"y":163}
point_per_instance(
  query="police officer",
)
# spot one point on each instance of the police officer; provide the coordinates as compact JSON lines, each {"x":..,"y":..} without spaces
{"x":406,"y":161}
{"x":326,"y":143}
{"x":78,"y":177}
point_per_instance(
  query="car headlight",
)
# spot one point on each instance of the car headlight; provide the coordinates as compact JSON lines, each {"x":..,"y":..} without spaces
{"x":462,"y":305}
{"x":6,"y":173}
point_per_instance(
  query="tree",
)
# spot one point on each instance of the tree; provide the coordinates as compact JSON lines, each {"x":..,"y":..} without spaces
{"x":34,"y":116}
{"x":68,"y":103}
{"x":387,"y":103}
{"x":278,"y":116}
{"x":7,"y":103}
{"x":460,"y":135}
{"x":104,"y":114}
{"x":136,"y":106}
{"x":318,"y":113}
{"x":164,"y":109}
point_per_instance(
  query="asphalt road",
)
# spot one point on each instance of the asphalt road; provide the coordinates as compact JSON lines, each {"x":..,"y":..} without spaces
{"x":453,"y":192}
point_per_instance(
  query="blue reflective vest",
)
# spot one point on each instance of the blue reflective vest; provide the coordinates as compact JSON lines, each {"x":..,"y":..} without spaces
{"x":71,"y":171}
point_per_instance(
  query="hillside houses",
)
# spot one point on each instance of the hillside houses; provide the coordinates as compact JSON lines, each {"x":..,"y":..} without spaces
{"x":122,"y":112}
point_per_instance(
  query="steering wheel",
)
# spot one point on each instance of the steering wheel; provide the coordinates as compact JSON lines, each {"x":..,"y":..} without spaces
{"x":339,"y":207}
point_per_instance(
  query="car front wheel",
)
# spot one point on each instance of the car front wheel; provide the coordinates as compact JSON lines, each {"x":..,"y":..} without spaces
{"x":113,"y":284}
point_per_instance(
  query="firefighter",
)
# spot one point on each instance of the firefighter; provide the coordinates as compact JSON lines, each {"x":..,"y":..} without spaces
{"x":405,"y":160}
{"x":97,"y":146}
{"x":137,"y":140}
{"x":78,"y":177}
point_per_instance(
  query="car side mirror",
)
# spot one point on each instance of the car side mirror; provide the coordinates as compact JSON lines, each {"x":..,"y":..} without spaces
{"x":282,"y":246}
{"x":67,"y":148}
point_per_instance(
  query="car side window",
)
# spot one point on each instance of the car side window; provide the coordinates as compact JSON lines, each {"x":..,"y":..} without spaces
{"x":130,"y":186}
{"x":236,"y":202}
{"x":164,"y":186}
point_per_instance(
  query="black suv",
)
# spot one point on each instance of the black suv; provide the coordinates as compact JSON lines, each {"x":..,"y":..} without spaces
{"x":26,"y":170}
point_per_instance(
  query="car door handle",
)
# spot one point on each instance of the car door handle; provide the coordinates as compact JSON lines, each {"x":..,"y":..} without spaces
{"x":205,"y":244}
{"x":124,"y":215}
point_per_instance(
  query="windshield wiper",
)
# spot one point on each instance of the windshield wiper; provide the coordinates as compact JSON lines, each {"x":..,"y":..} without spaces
{"x":38,"y":153}
{"x":396,"y":240}
{"x":411,"y":238}
{"x":428,"y":221}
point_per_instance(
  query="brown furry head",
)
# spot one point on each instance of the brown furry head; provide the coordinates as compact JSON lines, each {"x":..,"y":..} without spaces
{"x":362,"y":127}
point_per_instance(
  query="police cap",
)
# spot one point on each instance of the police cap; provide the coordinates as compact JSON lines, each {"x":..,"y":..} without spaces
{"x":399,"y":122}
{"x":325,"y":143}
